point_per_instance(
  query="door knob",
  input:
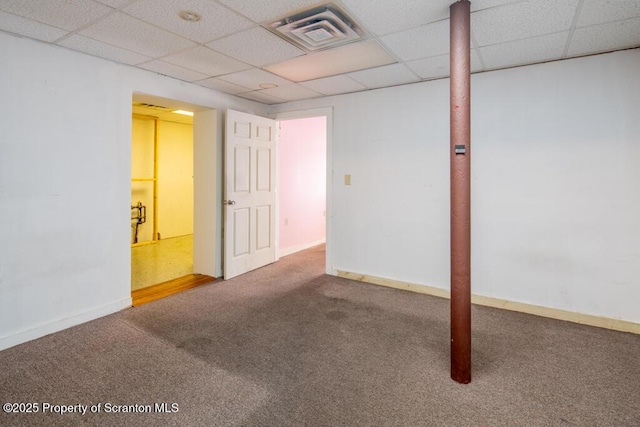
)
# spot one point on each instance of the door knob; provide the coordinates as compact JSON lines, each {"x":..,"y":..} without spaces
{"x":229,"y":202}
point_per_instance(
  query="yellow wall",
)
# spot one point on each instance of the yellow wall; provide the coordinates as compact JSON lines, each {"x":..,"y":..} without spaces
{"x":175,"y":176}
{"x":175,"y":179}
{"x":142,"y":140}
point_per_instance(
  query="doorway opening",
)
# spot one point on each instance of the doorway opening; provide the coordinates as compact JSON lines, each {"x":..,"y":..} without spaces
{"x":302,"y":184}
{"x":254,"y":236}
{"x":162,"y":198}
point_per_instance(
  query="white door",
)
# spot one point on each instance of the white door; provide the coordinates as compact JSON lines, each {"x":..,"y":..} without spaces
{"x":250,"y":193}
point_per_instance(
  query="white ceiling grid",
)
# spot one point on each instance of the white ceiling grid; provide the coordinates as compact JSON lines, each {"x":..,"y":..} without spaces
{"x":229,"y":50}
{"x":164,"y":14}
{"x":176,"y":71}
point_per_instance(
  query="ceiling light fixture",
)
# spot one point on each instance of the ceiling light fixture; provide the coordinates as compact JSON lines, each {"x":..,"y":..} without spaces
{"x":267,"y":85}
{"x":190,"y":16}
{"x":183,"y":112}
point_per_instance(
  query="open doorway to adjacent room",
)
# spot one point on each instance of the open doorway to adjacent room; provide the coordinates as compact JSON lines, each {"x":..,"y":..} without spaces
{"x":162,"y":197}
{"x":302,"y":183}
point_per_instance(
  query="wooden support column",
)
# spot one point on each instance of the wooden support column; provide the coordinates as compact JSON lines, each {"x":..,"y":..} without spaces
{"x":460,"y":116}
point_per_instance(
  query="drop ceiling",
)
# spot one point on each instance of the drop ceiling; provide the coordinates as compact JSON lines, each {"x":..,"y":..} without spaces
{"x":231,"y":50}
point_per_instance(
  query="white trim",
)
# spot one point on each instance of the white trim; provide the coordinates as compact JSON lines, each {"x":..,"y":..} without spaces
{"x":553,"y":313}
{"x":63,"y":323}
{"x":207,"y":208}
{"x":298,"y":248}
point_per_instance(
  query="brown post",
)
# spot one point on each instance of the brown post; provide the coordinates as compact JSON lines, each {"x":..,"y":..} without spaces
{"x":460,"y":116}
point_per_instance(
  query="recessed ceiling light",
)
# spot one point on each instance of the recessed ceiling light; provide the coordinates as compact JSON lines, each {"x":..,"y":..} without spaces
{"x":190,"y":16}
{"x":267,"y":85}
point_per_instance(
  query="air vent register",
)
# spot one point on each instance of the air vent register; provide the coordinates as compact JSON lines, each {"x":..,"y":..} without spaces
{"x":320,"y":28}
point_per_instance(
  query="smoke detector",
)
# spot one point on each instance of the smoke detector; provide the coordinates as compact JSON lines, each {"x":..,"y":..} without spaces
{"x":322,"y":27}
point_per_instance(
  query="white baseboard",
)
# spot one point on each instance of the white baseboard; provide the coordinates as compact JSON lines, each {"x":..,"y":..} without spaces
{"x":63,"y":323}
{"x":298,"y":248}
{"x":553,"y":313}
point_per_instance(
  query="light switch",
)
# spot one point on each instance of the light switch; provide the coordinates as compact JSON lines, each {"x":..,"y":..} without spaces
{"x":347,"y":179}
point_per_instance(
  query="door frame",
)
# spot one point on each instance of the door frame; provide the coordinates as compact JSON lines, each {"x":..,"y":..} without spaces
{"x":326,"y":112}
{"x":205,"y":180}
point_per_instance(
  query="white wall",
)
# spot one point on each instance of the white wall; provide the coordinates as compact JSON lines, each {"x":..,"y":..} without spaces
{"x":555,"y":171}
{"x":65,"y":154}
{"x":556,"y":162}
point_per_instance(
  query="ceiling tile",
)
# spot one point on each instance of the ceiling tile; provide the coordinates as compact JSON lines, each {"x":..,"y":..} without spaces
{"x":477,"y":5}
{"x":507,"y":32}
{"x":527,"y":51}
{"x":438,"y":66}
{"x":103,"y":50}
{"x":427,"y":40}
{"x":331,"y":62}
{"x":172,"y":70}
{"x":217,"y":21}
{"x":205,"y":61}
{"x":387,"y":75}
{"x":522,"y":20}
{"x":263,"y":10}
{"x":25,"y":27}
{"x":292,"y":92}
{"x":384,"y":17}
{"x":605,"y":37}
{"x":600,"y":11}
{"x":114,"y":3}
{"x":222,"y":86}
{"x":68,"y":14}
{"x":253,"y":78}
{"x":257,"y":47}
{"x":129,"y":33}
{"x":334,"y":85}
{"x":261,"y":97}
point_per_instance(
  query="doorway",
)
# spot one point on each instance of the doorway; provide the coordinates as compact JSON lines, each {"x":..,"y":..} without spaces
{"x":166,"y":197}
{"x":302,"y":184}
{"x":309,"y":218}
{"x":325,"y":174}
{"x":207,"y":232}
{"x":161,"y":195}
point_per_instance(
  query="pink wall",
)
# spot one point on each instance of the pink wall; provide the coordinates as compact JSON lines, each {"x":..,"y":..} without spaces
{"x":302,"y":183}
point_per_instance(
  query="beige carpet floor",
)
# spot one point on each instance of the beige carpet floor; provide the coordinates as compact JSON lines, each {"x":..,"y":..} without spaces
{"x":286,"y":345}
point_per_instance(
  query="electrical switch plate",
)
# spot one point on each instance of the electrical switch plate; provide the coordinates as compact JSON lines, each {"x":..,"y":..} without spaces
{"x":347,"y":179}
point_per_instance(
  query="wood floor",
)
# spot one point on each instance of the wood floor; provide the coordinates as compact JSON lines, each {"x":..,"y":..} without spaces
{"x":161,"y":290}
